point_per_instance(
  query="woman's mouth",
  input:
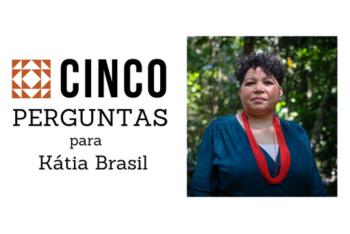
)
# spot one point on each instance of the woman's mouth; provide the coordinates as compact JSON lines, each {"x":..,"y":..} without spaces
{"x":259,"y":99}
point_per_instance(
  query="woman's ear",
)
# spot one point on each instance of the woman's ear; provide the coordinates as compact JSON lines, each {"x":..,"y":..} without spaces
{"x":281,"y":91}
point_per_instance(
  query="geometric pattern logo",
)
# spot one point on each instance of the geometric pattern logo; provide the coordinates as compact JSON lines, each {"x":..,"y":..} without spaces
{"x":31,"y":78}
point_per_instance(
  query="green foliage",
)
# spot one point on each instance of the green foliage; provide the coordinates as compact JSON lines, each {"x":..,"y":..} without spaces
{"x":212,"y":90}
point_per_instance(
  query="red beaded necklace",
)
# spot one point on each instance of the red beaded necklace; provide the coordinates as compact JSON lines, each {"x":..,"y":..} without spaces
{"x":259,"y":156}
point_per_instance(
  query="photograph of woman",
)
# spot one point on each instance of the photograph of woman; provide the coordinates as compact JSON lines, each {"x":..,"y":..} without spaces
{"x":255,"y":153}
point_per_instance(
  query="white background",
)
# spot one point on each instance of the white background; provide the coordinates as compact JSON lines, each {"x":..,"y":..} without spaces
{"x":152,"y":201}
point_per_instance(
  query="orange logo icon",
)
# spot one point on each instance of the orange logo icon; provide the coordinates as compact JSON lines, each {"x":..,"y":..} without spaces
{"x":31,"y":78}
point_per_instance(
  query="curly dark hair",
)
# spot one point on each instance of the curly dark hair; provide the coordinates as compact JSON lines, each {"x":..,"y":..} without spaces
{"x":269,"y":63}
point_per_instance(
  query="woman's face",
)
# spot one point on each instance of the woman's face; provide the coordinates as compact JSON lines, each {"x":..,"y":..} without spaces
{"x":259,"y":92}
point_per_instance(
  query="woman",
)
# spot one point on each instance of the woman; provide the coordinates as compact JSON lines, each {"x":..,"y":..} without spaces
{"x":254,"y":153}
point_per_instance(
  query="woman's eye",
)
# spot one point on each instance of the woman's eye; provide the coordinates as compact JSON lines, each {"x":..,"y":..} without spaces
{"x":268,"y":82}
{"x":250,"y":83}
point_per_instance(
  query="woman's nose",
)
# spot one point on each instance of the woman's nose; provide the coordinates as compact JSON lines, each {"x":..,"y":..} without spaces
{"x":259,"y":87}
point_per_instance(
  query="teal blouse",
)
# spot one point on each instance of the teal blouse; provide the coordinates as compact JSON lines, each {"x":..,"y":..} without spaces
{"x":226,"y":165}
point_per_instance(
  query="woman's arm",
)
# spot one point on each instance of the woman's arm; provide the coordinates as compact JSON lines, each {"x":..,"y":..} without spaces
{"x":316,"y":186}
{"x":205,"y":179}
{"x":315,"y":183}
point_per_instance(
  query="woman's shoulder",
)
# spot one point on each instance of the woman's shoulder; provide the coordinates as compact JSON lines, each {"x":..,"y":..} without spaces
{"x":292,"y":125}
{"x":222,"y":120}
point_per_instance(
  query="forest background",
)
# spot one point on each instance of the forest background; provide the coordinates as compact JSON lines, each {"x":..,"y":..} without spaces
{"x":309,"y":91}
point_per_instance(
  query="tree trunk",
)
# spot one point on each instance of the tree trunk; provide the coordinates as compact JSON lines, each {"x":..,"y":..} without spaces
{"x":248,"y":45}
{"x":316,"y":132}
